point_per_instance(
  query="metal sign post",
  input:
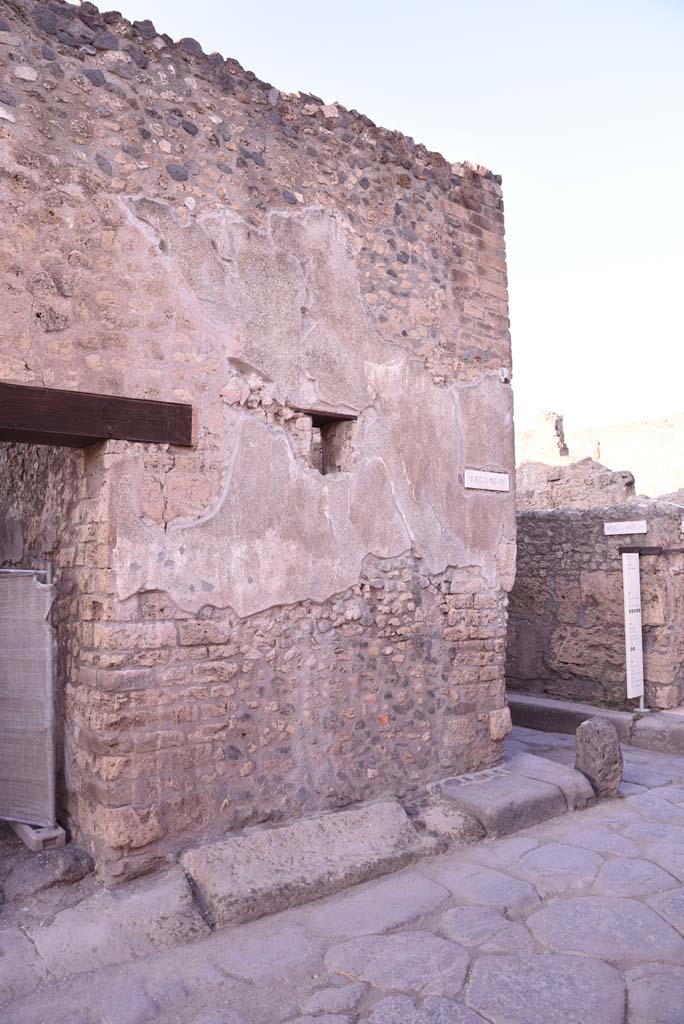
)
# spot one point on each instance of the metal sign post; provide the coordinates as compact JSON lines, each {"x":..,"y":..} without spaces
{"x":631,"y":586}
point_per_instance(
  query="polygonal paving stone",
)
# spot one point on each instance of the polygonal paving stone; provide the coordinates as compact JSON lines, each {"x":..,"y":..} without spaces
{"x":334,"y":1000}
{"x":325,"y":1018}
{"x":641,"y":776}
{"x":21,"y":969}
{"x":515,"y":938}
{"x":625,"y":876}
{"x":219,"y":1017}
{"x":593,"y":836}
{"x":615,"y":929}
{"x":557,"y":868}
{"x":116,"y":926}
{"x":486,"y":927}
{"x":675,"y":794}
{"x":407,"y":960}
{"x":546,"y":990}
{"x":609,"y":813}
{"x":403,"y":1010}
{"x":502,"y":853}
{"x":133,"y":1005}
{"x":655,"y":994}
{"x":670,"y":905}
{"x":375,"y":906}
{"x":669,"y":856}
{"x":630,"y":788}
{"x":265,"y":950}
{"x":474,"y":884}
{"x":652,"y":806}
{"x":654,"y":831}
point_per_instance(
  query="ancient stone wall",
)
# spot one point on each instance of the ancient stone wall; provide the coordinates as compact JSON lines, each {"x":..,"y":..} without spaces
{"x":650,"y":449}
{"x":566,"y":620}
{"x":53,"y":513}
{"x":307,"y":608}
{"x":583,"y":484}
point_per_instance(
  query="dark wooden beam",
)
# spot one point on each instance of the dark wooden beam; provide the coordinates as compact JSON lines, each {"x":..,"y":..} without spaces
{"x":36,"y":415}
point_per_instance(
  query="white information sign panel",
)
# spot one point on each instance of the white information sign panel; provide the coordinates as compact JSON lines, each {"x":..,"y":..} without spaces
{"x":482,"y":480}
{"x":620,"y":529}
{"x":631,"y":586}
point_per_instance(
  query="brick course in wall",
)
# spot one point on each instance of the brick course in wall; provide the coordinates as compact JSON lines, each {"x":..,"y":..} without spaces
{"x":244,"y":638}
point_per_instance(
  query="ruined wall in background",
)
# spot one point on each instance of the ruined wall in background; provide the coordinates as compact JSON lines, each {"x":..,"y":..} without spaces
{"x":584,"y":484}
{"x":650,"y":449}
{"x":566,"y":620}
{"x":258,"y":640}
{"x":549,"y":475}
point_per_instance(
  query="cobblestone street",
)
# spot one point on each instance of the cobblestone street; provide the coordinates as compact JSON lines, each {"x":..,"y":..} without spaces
{"x":576,"y":921}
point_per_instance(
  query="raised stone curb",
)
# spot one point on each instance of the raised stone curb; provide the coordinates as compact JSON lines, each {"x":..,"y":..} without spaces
{"x":504,"y":801}
{"x":548,"y":715}
{"x":662,"y":731}
{"x":574,"y":786}
{"x":120,"y":925}
{"x":249,"y":875}
{"x":659,"y":731}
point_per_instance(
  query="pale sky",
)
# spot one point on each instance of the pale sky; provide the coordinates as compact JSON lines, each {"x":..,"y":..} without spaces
{"x":578,"y":105}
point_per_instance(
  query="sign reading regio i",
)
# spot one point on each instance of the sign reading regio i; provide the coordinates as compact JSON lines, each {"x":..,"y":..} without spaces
{"x":484,"y":480}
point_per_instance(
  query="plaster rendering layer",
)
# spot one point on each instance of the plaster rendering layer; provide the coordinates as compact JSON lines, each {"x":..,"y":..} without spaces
{"x":307,"y":608}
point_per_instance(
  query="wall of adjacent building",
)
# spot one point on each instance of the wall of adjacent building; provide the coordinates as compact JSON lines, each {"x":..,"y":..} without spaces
{"x":255,"y":640}
{"x":566,"y":620}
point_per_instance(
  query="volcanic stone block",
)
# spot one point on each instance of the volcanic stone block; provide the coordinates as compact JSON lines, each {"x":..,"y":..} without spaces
{"x":573,"y":785}
{"x":443,"y":819}
{"x":534,"y":712}
{"x":114,"y":927}
{"x":659,"y":732}
{"x":598,"y":755}
{"x":546,"y":990}
{"x":420,"y":960}
{"x":249,"y":875}
{"x":21,"y":969}
{"x":506,"y":802}
{"x":655,"y":993}
{"x":375,"y":907}
{"x":607,"y":927}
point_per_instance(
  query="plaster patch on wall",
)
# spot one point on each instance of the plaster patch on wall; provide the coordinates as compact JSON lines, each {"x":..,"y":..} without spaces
{"x":281,"y":532}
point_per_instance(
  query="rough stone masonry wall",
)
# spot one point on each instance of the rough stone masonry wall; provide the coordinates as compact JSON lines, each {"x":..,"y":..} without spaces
{"x":566,"y":621}
{"x":253,"y":639}
{"x":547,"y":475}
{"x":651,"y":448}
{"x":53,"y":512}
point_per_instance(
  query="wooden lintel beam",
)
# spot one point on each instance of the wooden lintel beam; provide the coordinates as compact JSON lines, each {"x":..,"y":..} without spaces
{"x":36,"y":415}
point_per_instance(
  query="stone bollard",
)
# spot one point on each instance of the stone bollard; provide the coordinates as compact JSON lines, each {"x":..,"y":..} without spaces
{"x":598,"y":755}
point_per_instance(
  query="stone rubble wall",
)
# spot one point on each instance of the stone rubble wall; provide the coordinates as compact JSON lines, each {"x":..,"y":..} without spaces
{"x":583,"y":484}
{"x":650,"y":448}
{"x":248,"y":638}
{"x":54,"y":512}
{"x":566,"y":620}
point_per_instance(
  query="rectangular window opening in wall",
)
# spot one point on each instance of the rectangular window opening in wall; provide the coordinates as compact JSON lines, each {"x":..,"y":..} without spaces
{"x":332,"y":445}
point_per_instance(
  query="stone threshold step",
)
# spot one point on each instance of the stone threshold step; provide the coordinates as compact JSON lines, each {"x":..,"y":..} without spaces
{"x":662,"y":731}
{"x":524,"y":791}
{"x":263,"y":871}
